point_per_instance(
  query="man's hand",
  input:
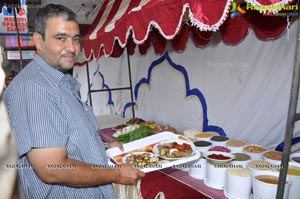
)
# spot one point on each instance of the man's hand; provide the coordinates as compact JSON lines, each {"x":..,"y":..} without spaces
{"x":129,"y":175}
{"x":116,"y":144}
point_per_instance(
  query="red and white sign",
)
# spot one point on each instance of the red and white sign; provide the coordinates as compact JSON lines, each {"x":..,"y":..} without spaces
{"x":8,"y":21}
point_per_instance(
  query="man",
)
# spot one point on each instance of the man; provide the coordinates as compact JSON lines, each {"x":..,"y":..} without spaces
{"x":59,"y":149}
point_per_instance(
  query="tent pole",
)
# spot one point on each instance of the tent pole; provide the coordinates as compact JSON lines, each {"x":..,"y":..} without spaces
{"x":130,"y":82}
{"x":89,"y":82}
{"x":290,"y":120}
{"x":18,"y":35}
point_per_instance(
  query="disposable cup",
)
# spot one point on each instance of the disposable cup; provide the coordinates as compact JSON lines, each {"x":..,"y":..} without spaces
{"x":216,"y":175}
{"x":198,"y":169}
{"x":238,"y":183}
{"x":265,"y":185}
{"x":294,"y":175}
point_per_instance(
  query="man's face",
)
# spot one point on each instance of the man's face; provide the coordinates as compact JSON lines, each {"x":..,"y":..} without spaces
{"x":61,"y":44}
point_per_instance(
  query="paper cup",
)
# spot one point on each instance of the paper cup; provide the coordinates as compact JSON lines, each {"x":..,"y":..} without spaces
{"x":198,"y":169}
{"x":238,"y":183}
{"x":216,"y":175}
{"x":265,"y":185}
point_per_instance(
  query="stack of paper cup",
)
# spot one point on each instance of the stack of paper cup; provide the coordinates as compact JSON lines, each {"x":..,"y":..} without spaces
{"x":238,"y":183}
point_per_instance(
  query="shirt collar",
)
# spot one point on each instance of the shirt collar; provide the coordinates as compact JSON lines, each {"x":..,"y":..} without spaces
{"x":55,"y":75}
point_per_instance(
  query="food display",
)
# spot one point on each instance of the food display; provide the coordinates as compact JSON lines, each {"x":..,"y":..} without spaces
{"x":141,"y":159}
{"x":220,"y":148}
{"x":241,"y":157}
{"x":120,"y":127}
{"x":173,"y":150}
{"x":236,"y":143}
{"x":273,"y":155}
{"x":236,"y":146}
{"x":144,"y":152}
{"x":202,"y":143}
{"x":219,"y":138}
{"x":203,"y":136}
{"x":218,"y":156}
{"x":293,"y":170}
{"x":133,"y":132}
{"x":259,"y":165}
{"x":254,"y":149}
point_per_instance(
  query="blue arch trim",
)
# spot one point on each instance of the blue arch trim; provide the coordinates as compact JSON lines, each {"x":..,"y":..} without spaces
{"x":189,"y":92}
{"x":127,"y":105}
{"x":104,"y":85}
{"x":281,"y":145}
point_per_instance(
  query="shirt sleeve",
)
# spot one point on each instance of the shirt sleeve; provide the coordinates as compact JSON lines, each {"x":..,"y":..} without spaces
{"x":35,"y":118}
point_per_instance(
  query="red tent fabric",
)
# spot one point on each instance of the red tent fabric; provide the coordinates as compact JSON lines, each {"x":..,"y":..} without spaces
{"x":128,"y":23}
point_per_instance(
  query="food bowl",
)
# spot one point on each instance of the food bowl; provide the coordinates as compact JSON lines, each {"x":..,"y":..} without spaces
{"x":259,"y":165}
{"x":255,"y":151}
{"x":219,"y":140}
{"x":241,"y":160}
{"x":265,"y":185}
{"x":190,"y":133}
{"x":220,"y":148}
{"x":295,"y":157}
{"x":236,"y":146}
{"x":218,"y":156}
{"x":273,"y":157}
{"x":205,"y":136}
{"x":202,"y":146}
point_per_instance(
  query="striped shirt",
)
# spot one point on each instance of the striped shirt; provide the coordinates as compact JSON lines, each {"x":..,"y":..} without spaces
{"x":45,"y":111}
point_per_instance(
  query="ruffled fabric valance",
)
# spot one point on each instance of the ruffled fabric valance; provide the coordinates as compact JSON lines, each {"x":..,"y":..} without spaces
{"x":144,"y":23}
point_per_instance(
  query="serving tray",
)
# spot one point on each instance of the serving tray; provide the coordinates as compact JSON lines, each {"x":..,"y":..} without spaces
{"x":146,"y":145}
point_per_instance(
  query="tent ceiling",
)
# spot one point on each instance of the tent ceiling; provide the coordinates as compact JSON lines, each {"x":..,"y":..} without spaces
{"x":128,"y":23}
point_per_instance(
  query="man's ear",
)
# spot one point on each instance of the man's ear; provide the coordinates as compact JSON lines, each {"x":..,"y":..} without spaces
{"x":37,"y":39}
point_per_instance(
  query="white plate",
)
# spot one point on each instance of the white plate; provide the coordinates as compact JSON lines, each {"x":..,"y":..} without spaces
{"x":139,"y":153}
{"x":156,"y":151}
{"x":230,"y":155}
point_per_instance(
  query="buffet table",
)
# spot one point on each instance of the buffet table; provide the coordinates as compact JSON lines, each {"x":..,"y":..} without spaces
{"x":167,"y":183}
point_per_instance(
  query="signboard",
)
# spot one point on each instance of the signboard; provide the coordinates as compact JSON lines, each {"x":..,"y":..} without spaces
{"x":15,"y":55}
{"x":8,"y":21}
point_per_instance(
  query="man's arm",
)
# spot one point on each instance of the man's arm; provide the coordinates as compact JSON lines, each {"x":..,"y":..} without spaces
{"x":75,"y":173}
